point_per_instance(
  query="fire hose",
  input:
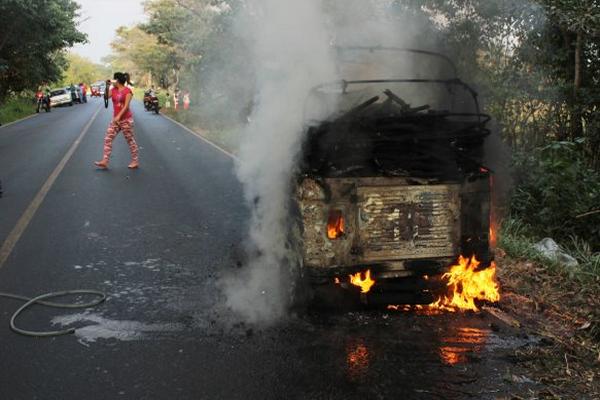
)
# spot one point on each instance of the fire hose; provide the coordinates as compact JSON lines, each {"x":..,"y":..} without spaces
{"x":41,"y":301}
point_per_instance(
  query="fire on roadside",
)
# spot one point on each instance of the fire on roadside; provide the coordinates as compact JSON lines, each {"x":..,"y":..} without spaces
{"x":465,"y":285}
{"x":493,"y":238}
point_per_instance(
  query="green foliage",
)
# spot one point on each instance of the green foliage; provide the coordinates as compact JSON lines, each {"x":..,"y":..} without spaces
{"x":554,"y":189}
{"x":17,"y":107}
{"x":534,"y":63}
{"x":34,"y":34}
{"x":212,"y":59}
{"x":83,"y":70}
{"x":142,"y":55}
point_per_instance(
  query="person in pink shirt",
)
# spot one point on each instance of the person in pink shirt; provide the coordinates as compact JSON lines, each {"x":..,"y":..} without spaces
{"x":122,"y":122}
{"x":186,"y":100}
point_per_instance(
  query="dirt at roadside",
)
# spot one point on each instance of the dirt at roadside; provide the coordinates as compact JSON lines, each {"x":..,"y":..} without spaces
{"x":565,"y":313}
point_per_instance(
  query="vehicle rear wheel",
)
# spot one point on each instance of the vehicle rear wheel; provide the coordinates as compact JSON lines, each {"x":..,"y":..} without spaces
{"x":71,"y":104}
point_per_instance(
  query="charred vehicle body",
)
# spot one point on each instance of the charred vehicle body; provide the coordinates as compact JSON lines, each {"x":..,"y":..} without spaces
{"x":393,"y":187}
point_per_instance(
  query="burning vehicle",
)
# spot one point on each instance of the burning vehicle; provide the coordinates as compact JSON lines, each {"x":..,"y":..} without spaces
{"x":392,"y":197}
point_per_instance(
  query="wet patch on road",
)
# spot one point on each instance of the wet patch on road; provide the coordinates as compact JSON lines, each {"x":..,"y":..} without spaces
{"x":347,"y":355}
{"x":91,"y":327}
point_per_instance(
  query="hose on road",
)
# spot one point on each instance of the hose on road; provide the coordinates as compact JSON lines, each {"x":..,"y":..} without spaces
{"x":41,"y":300}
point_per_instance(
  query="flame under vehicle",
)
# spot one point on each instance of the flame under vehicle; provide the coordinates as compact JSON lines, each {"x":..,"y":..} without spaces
{"x":391,"y":186}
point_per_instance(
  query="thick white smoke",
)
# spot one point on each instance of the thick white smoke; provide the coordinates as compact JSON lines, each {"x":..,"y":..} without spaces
{"x":293,"y":48}
{"x":291,"y":53}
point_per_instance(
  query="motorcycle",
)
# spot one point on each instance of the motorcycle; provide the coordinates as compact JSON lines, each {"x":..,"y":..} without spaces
{"x":43,"y":101}
{"x":151,"y":102}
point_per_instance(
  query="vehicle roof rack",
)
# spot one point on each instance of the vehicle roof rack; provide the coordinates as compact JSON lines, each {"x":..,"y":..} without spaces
{"x":371,"y":49}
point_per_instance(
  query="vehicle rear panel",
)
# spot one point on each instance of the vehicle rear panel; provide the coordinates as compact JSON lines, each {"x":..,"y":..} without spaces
{"x":391,"y":224}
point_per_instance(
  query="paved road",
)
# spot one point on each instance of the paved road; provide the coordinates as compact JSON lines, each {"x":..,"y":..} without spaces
{"x":156,"y":240}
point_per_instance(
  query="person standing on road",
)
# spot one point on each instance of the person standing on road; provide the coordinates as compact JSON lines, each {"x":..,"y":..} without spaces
{"x":83,"y":91}
{"x":176,"y":99}
{"x":186,"y":100}
{"x":122,"y":121}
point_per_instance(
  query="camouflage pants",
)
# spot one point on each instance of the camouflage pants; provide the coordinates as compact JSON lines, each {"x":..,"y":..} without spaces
{"x":126,"y":126}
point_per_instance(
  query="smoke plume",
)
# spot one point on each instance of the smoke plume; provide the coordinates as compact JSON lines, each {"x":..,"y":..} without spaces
{"x":293,"y":46}
{"x":291,"y":53}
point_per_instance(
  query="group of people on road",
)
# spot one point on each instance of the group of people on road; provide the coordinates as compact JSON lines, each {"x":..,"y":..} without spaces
{"x":76,"y":90}
{"x":181,"y":99}
{"x":122,"y":121}
{"x":119,"y":91}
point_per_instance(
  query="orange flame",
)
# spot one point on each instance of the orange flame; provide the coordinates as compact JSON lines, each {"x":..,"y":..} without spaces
{"x":364,"y":284}
{"x":357,"y":359}
{"x":493,"y":238}
{"x":335,"y":225}
{"x":466,"y":285}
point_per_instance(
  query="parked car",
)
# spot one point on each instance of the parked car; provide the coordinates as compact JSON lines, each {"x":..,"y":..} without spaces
{"x":60,"y":97}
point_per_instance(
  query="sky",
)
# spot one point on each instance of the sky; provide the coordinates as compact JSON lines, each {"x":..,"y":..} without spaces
{"x":100,"y":18}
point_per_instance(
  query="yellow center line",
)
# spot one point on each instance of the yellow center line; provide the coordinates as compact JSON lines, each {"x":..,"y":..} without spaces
{"x":14,"y":236}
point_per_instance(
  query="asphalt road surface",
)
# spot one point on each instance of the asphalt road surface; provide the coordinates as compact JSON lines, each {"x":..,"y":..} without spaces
{"x":156,"y":241}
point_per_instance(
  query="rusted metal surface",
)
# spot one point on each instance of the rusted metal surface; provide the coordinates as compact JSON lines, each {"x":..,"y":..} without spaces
{"x":408,"y":222}
{"x":387,"y":221}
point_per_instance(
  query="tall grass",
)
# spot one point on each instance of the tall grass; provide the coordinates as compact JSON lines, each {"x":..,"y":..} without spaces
{"x":227,"y":137}
{"x":517,"y":239}
{"x":16,"y":107}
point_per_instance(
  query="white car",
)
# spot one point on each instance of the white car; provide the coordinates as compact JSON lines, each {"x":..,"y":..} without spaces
{"x":59,"y":97}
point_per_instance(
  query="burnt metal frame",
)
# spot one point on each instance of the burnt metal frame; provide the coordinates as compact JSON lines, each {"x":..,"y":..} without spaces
{"x":453,"y":81}
{"x":401,"y":50}
{"x":448,"y":82}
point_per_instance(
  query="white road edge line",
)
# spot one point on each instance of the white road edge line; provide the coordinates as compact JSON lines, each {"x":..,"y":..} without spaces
{"x":23,"y":222}
{"x":17,"y":121}
{"x":199,"y":136}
